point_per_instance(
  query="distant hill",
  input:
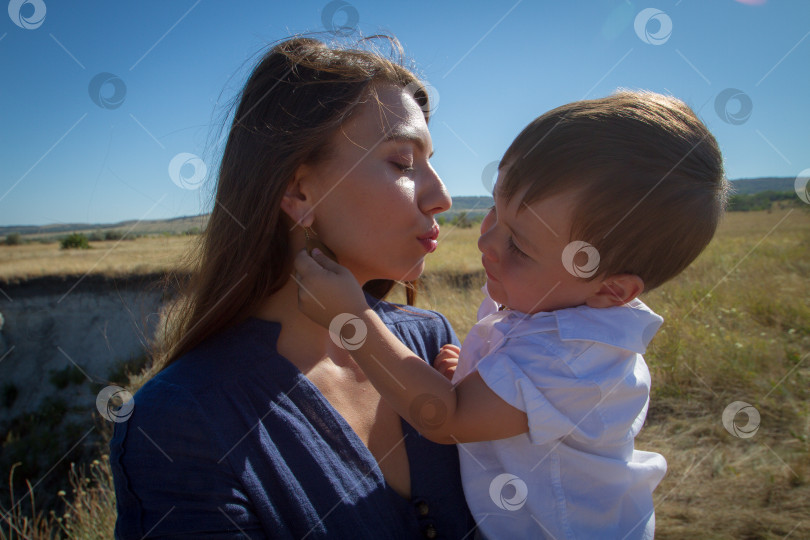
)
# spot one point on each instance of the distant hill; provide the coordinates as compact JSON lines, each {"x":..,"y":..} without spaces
{"x":747,"y":186}
{"x":741,"y":186}
{"x":156,"y":226}
{"x":473,"y":205}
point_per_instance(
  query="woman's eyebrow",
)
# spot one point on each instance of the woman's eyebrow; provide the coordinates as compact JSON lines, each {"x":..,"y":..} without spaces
{"x":400,"y":134}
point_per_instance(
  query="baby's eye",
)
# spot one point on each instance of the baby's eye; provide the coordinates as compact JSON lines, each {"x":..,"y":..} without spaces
{"x":516,"y":250}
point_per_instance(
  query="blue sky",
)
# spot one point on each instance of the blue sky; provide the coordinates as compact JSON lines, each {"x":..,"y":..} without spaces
{"x":172,"y":66}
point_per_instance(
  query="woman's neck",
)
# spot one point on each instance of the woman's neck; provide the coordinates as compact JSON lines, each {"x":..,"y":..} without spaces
{"x":302,"y":341}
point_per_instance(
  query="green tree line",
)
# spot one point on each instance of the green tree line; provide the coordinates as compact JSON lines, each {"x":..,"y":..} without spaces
{"x":758,"y":201}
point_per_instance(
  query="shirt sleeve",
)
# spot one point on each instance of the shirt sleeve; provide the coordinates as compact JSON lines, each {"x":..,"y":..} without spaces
{"x":532,"y":377}
{"x":169,"y":477}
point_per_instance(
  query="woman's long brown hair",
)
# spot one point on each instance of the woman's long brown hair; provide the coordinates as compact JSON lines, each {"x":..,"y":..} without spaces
{"x":297,"y":96}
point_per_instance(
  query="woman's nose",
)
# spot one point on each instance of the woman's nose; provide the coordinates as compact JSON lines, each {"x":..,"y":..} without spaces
{"x":434,"y":198}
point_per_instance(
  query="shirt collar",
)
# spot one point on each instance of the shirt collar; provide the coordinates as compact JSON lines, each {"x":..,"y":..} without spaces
{"x":630,"y":326}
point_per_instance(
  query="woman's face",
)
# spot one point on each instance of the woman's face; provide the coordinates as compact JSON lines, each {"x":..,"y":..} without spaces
{"x":376,"y":194}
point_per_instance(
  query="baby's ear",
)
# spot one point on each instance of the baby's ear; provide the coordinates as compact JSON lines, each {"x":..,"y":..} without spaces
{"x":616,"y":290}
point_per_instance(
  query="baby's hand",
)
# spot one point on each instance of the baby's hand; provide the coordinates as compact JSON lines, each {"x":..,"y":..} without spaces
{"x":326,"y":289}
{"x":447,"y":360}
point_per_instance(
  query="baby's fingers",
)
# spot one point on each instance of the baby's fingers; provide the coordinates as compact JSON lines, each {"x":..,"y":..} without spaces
{"x":446,"y":367}
{"x":304,"y":264}
{"x":326,"y":262}
{"x":443,"y":363}
{"x":448,"y":352}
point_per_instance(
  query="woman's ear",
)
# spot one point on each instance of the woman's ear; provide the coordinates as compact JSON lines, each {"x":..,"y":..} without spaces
{"x":616,"y":290}
{"x":297,"y":201}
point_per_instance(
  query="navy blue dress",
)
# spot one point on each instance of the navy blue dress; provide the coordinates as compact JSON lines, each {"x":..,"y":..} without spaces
{"x":233,"y":441}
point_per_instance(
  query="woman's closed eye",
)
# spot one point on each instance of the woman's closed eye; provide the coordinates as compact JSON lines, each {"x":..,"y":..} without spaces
{"x":403,"y":166}
{"x":401,"y":156}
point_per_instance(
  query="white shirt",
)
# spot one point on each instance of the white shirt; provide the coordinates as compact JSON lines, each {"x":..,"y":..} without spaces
{"x":579,"y":375}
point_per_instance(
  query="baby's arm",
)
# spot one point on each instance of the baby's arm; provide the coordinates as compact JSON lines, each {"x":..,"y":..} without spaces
{"x":467,"y":412}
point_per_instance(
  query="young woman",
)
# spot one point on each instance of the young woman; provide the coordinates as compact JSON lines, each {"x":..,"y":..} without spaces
{"x":258,"y":424}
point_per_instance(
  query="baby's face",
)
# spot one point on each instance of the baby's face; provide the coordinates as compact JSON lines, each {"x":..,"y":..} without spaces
{"x":522,"y":253}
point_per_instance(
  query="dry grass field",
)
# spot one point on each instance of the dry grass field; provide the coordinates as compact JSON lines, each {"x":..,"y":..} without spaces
{"x":112,"y":258}
{"x":737,"y":328}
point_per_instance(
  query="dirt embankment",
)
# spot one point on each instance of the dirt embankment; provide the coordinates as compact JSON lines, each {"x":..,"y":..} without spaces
{"x":62,"y":337}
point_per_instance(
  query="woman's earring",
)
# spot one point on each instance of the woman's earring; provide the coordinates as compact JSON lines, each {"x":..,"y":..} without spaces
{"x":313,"y":242}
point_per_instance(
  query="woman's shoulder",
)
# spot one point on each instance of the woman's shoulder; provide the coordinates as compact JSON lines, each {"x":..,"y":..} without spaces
{"x":398,"y":313}
{"x":200,"y":398}
{"x":208,"y":374}
{"x":178,"y":441}
{"x":423,"y":330}
{"x":224,"y":354}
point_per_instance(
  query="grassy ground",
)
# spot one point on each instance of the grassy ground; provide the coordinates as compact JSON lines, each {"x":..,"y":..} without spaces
{"x":737,"y":328}
{"x":143,"y":255}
